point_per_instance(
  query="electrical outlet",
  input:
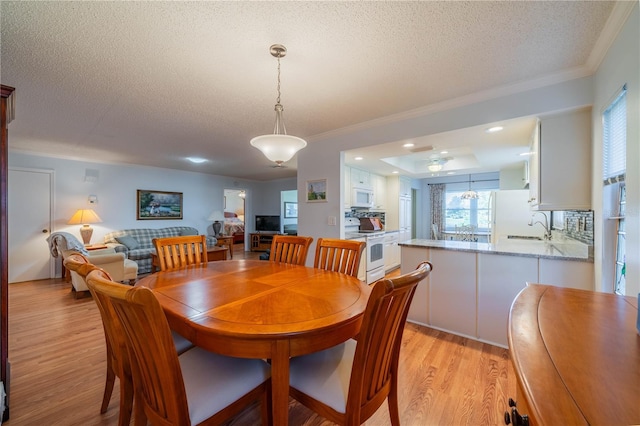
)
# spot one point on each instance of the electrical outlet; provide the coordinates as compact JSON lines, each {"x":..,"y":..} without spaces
{"x":332,"y":221}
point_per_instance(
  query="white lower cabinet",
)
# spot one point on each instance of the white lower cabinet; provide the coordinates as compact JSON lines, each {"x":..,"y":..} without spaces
{"x":500,"y":279}
{"x":470,"y":294}
{"x":391,"y":251}
{"x":452,"y":291}
{"x":419,"y":309}
{"x":567,"y":273}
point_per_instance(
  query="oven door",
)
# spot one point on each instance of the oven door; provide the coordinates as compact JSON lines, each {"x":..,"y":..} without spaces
{"x":375,"y":252}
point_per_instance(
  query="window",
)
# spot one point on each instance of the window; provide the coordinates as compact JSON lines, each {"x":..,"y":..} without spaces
{"x":614,"y":138}
{"x":614,"y":159}
{"x":459,"y":212}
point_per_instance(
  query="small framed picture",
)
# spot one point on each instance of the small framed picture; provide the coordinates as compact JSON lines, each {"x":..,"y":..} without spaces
{"x":317,"y":191}
{"x":159,"y":205}
{"x":290,"y":210}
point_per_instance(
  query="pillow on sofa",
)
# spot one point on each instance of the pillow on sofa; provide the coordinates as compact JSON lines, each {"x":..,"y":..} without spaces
{"x":188,"y":232}
{"x":128,"y":241}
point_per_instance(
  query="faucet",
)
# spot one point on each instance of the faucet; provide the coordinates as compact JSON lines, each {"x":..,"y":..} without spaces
{"x":547,"y":230}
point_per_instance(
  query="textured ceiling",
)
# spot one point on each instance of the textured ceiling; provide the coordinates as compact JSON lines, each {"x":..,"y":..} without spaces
{"x":154,"y":82}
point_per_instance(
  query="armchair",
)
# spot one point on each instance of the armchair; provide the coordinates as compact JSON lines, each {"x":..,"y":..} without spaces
{"x":116,"y":264}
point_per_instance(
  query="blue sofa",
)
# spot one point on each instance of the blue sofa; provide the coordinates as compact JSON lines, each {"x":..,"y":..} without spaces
{"x":137,"y":244}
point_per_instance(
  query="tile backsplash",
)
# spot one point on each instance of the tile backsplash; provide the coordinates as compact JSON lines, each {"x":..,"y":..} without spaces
{"x":578,"y":225}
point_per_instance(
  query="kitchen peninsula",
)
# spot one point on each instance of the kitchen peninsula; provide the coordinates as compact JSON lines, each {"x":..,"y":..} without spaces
{"x":472,"y":285}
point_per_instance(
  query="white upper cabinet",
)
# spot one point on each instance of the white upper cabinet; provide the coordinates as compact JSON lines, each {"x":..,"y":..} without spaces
{"x":379,"y":184}
{"x":560,"y":163}
{"x":360,"y":177}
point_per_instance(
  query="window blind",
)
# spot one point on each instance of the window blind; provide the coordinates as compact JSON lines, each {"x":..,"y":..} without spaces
{"x":615,"y":138}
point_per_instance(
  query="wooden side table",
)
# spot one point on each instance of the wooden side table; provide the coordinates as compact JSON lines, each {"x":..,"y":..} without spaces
{"x":213,"y":254}
{"x":226,"y":241}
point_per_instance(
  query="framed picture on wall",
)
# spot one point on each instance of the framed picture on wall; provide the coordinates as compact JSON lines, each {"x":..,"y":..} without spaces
{"x":317,"y":191}
{"x":159,"y":205}
{"x":290,"y":210}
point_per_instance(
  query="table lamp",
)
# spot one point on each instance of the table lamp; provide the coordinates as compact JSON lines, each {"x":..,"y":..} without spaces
{"x":216,"y":216}
{"x":85,"y":217}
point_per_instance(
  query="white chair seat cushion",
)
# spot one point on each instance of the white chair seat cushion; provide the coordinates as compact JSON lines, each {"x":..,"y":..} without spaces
{"x":213,"y":381}
{"x":181,"y":343}
{"x":325,"y":375}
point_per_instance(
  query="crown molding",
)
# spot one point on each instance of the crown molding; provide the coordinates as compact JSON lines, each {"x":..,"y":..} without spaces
{"x":619,"y":15}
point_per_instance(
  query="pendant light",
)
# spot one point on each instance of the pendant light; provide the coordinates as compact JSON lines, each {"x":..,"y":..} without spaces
{"x":469,"y":194}
{"x":278,"y":147}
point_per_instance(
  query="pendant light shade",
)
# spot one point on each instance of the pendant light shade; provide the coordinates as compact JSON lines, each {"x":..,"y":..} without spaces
{"x":469,"y":194}
{"x":278,"y":147}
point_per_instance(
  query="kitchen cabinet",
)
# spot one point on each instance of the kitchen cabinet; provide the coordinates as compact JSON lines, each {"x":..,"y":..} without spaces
{"x":560,"y":162}
{"x":379,"y":184}
{"x":419,"y":309}
{"x":452,"y":291}
{"x":391,"y":251}
{"x":500,"y":279}
{"x":399,"y":206}
{"x":567,"y":273}
{"x":360,"y":177}
{"x":471,"y":290}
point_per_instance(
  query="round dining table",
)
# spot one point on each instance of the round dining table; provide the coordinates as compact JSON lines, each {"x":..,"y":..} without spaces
{"x":261,"y":309}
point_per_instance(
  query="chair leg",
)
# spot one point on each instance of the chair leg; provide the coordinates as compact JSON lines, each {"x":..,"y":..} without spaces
{"x":126,"y":401}
{"x":108,"y":386}
{"x":392,"y":399}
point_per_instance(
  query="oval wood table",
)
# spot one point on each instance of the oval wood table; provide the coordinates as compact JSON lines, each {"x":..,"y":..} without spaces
{"x":261,"y":309}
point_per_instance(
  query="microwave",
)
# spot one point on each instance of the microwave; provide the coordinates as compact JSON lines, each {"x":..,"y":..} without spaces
{"x":362,"y":196}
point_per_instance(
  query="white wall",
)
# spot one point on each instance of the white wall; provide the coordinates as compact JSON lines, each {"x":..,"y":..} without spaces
{"x":621,"y":65}
{"x":116,"y":191}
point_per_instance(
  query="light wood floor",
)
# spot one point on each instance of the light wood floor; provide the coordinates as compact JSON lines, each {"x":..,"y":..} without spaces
{"x":57,"y":355}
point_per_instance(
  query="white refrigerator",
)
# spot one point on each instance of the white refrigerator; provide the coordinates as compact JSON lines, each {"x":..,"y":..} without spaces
{"x":510,"y":215}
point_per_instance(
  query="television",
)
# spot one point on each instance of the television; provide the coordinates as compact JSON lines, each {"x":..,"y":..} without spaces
{"x":267,"y":223}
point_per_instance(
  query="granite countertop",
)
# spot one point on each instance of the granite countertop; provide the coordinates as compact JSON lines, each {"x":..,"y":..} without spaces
{"x":560,"y":250}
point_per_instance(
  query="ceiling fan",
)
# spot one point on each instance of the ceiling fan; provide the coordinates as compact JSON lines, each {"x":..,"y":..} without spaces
{"x":436,"y":164}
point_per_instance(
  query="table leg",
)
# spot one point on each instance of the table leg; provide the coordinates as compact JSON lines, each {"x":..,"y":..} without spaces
{"x":280,"y":383}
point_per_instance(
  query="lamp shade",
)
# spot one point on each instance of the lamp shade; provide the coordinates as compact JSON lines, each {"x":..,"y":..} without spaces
{"x":83,"y":217}
{"x":216,"y":215}
{"x":278,"y":148}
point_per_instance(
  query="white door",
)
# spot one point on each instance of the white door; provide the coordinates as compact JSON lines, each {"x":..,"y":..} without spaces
{"x":29,"y":210}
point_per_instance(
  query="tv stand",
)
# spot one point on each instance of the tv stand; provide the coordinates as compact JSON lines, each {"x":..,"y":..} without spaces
{"x":260,"y":241}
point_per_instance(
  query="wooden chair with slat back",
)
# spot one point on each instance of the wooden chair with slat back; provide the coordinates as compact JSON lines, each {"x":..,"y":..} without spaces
{"x":339,"y":255}
{"x":179,"y":252}
{"x":196,"y":387}
{"x":349,"y":382}
{"x":117,"y":356}
{"x":290,"y":249}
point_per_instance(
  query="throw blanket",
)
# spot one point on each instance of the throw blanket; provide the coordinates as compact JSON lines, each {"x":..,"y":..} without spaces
{"x":60,"y":241}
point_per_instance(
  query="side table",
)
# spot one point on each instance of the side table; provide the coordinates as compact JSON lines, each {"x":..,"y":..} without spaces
{"x":226,"y":241}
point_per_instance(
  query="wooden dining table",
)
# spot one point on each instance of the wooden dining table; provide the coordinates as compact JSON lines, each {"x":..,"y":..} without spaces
{"x":261,"y":309}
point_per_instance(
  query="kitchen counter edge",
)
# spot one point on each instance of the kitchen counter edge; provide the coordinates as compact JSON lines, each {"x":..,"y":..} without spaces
{"x":544,"y":250}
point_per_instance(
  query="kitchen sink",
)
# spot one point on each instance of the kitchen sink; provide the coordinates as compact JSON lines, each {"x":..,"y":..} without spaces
{"x":524,"y":237}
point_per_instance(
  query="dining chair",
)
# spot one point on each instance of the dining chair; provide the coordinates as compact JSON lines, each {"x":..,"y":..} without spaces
{"x":117,"y":356}
{"x":466,"y":233}
{"x":290,"y":249}
{"x":339,"y":255}
{"x":349,"y":382}
{"x":196,"y":387}
{"x":179,"y":252}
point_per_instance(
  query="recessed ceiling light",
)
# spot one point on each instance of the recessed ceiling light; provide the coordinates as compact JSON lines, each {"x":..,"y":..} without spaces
{"x":197,"y":160}
{"x":408,"y":145}
{"x":395,"y":172}
{"x":444,"y":152}
{"x":494,"y":129}
{"x":358,"y":158}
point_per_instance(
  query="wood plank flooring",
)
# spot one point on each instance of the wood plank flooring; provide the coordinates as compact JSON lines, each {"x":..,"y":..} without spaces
{"x":57,"y":355}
